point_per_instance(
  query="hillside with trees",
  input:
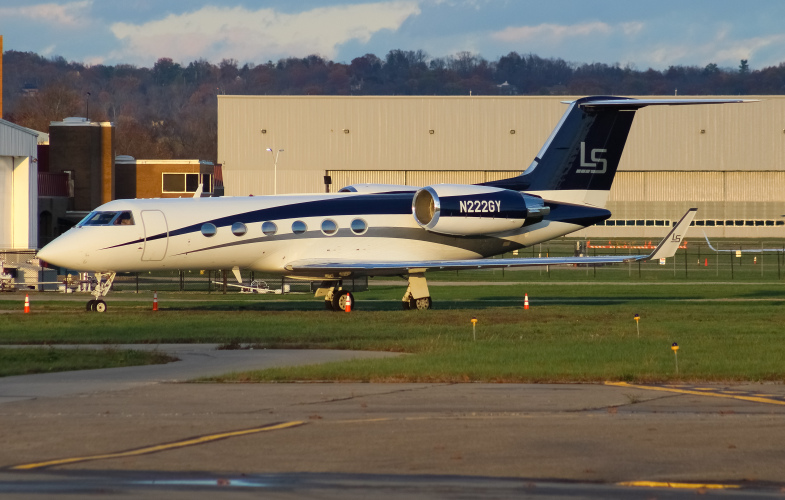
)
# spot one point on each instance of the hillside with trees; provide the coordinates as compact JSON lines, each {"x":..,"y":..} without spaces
{"x":169,"y":110}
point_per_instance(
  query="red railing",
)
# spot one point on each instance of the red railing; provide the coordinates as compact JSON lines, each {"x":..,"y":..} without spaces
{"x":53,"y":184}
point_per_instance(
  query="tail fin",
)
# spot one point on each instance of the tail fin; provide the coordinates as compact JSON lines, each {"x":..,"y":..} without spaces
{"x":578,"y":162}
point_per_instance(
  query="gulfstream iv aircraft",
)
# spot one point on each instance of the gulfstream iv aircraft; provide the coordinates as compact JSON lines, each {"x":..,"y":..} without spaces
{"x":377,"y":230}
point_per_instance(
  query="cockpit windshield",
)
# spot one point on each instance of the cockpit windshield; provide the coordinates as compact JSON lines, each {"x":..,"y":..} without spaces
{"x":108,"y":219}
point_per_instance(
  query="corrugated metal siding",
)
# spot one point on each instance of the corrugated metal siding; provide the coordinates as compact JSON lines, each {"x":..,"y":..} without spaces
{"x":757,"y":186}
{"x":427,"y":178}
{"x":472,"y":134}
{"x":321,"y":134}
{"x":766,"y":186}
{"x":628,"y":186}
{"x":341,"y":178}
{"x":17,"y":141}
{"x":676,"y":186}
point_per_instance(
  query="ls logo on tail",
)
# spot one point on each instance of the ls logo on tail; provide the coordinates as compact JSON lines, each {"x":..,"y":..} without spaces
{"x":593,"y":168}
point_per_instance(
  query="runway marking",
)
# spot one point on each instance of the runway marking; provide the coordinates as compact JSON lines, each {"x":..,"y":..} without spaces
{"x":691,"y":486}
{"x":160,"y":447}
{"x":702,"y":391}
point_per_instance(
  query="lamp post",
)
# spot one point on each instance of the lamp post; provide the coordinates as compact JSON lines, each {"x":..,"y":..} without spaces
{"x":275,"y":169}
{"x":87,"y":111}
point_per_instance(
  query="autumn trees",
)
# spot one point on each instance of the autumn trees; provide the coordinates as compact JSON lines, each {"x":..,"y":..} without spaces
{"x":169,"y":110}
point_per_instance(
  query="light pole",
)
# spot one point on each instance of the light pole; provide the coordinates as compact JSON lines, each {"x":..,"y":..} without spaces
{"x":275,"y":169}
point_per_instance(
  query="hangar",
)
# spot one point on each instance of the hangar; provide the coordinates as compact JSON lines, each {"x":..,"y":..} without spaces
{"x":18,"y":187}
{"x":727,"y":160}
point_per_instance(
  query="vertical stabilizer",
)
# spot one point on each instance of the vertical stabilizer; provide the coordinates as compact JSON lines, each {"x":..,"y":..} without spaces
{"x":579,"y":160}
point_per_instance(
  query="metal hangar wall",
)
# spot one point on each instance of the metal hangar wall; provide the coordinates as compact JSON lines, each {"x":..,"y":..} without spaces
{"x":728,"y":160}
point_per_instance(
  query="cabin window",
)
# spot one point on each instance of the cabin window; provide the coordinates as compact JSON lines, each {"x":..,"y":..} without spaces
{"x":329,"y":227}
{"x":239,"y":229}
{"x":124,"y":219}
{"x":359,"y":226}
{"x":209,"y":229}
{"x":269,"y":228}
{"x":99,"y":219}
{"x":299,"y":227}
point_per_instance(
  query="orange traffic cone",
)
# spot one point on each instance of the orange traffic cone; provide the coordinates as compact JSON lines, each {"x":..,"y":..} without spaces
{"x":526,"y":301}
{"x":155,"y":300}
{"x":27,"y":303}
{"x":348,"y":303}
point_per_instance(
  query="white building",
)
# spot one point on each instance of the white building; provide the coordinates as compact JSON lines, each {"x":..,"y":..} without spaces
{"x":18,"y":187}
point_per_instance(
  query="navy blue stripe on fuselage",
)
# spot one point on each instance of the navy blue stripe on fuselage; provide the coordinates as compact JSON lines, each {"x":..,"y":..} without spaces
{"x":365,"y":205}
{"x":362,"y":205}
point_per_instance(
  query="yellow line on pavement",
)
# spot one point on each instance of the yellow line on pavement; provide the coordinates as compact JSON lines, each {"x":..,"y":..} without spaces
{"x":691,"y":486}
{"x":160,"y":447}
{"x":755,"y":399}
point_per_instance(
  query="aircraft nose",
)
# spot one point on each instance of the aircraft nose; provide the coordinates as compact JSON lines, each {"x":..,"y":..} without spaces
{"x":61,"y":252}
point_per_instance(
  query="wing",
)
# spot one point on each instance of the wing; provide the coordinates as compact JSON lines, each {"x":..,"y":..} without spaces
{"x":334,"y":269}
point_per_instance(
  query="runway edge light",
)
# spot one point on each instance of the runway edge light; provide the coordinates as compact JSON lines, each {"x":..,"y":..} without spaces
{"x":474,"y":328}
{"x":637,"y":318}
{"x":675,"y":348}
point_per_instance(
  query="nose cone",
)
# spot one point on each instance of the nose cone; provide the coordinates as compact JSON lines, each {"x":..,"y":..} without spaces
{"x":64,"y":251}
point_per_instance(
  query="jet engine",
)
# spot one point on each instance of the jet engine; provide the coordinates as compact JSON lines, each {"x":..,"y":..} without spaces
{"x":465,"y":210}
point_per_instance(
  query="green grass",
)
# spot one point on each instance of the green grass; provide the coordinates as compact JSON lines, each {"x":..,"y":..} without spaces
{"x":572,"y":333}
{"x":26,"y":361}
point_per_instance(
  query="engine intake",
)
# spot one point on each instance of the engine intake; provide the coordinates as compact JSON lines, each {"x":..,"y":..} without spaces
{"x":464,"y":210}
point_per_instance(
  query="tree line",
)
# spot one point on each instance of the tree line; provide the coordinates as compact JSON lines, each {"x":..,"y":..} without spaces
{"x":169,"y":111}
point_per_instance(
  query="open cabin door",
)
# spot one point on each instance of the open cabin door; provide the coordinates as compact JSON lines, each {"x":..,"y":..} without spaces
{"x":156,"y":235}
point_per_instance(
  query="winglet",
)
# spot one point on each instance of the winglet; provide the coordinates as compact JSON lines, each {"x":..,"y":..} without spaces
{"x":669,"y":244}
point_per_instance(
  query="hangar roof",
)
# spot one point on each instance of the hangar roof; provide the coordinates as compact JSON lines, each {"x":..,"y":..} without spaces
{"x":16,"y":140}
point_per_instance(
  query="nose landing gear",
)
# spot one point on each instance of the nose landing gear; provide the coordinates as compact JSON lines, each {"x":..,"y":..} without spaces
{"x":101,"y":290}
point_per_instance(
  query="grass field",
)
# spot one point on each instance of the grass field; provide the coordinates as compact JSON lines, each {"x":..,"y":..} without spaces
{"x":26,"y":361}
{"x":573,"y":332}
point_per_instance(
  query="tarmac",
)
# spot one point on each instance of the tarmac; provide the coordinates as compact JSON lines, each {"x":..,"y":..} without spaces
{"x":143,"y":431}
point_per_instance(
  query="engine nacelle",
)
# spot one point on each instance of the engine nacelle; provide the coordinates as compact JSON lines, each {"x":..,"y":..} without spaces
{"x":465,"y":210}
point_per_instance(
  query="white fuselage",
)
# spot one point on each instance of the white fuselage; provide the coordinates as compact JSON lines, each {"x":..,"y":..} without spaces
{"x":167,"y":234}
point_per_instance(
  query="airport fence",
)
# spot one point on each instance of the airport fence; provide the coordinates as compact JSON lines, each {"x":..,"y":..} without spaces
{"x":220,"y":282}
{"x":696,"y":262}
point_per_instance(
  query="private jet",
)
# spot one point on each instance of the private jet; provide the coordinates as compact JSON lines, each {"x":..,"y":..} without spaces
{"x":375,"y":229}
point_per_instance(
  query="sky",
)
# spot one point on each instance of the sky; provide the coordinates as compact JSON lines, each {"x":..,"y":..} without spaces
{"x":640,"y":34}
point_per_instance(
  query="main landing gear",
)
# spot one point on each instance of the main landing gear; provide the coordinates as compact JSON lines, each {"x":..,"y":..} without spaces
{"x":417,"y":295}
{"x":101,"y":290}
{"x":334,"y":297}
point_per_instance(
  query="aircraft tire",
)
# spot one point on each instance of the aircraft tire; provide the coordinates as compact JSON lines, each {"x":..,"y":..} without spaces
{"x":100,"y":306}
{"x":90,"y":305}
{"x":420,"y":304}
{"x":328,"y":304}
{"x":406,"y":305}
{"x":339,"y":301}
